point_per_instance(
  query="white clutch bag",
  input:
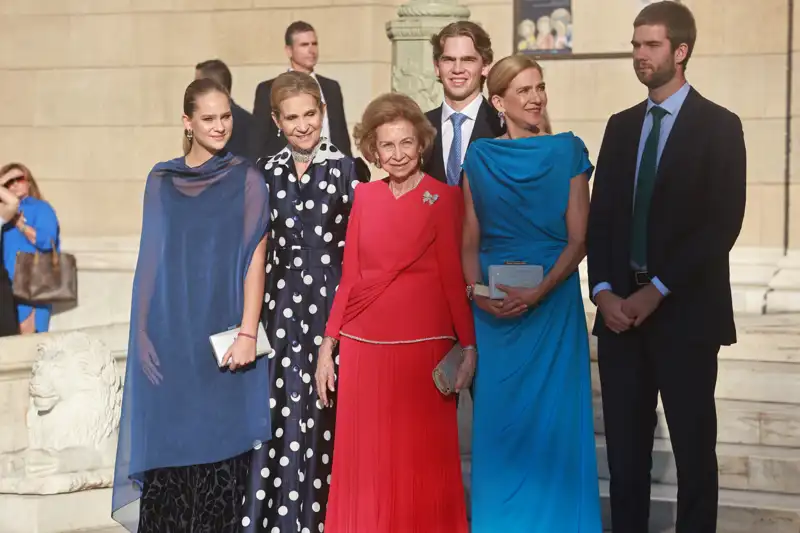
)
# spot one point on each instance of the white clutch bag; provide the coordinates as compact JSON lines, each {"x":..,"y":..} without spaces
{"x":510,"y":275}
{"x":221,"y":342}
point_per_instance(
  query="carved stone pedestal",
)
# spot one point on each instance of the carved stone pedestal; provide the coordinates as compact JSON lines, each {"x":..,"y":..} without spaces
{"x":412,"y":64}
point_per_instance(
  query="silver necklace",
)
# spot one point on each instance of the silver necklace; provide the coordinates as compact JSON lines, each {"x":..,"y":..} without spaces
{"x":305,"y":156}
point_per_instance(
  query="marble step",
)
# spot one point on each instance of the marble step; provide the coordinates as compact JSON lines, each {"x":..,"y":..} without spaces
{"x":754,"y":381}
{"x":738,"y":422}
{"x":739,"y":511}
{"x":741,"y":467}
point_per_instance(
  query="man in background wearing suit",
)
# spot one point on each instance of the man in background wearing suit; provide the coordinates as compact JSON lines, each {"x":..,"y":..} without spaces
{"x":303,"y":52}
{"x":462,"y":55}
{"x":242,"y":120}
{"x":667,"y":207}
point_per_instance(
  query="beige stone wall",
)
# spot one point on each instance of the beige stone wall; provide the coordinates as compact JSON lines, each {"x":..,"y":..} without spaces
{"x":91,"y":89}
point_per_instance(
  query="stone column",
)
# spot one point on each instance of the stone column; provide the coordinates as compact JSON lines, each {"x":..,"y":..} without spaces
{"x":410,"y":33}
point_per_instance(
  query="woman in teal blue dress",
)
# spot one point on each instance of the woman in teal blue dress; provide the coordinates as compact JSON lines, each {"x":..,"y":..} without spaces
{"x":527,"y":200}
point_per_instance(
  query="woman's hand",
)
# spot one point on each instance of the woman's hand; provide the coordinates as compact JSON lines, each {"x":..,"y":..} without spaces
{"x":325,"y":376}
{"x":241,"y":353}
{"x":466,"y":370}
{"x":517,"y":301}
{"x":493,"y":307}
{"x":148,"y":359}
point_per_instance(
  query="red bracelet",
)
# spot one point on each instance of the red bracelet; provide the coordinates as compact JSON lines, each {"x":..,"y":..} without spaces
{"x":247,"y":335}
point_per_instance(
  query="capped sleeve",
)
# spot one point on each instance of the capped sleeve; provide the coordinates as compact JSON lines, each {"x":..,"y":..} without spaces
{"x":580,"y":159}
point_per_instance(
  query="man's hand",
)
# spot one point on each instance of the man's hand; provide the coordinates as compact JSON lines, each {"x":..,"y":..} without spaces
{"x":641,"y":304}
{"x":611,"y":307}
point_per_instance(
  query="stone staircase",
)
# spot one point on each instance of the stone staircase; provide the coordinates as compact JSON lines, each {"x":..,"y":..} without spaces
{"x":758,"y":392}
{"x":758,"y":409}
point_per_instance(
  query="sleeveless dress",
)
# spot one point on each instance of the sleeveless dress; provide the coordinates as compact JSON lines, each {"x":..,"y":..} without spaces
{"x":533,"y":452}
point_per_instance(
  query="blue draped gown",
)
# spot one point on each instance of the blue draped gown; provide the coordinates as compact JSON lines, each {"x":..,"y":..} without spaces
{"x":200,"y":229}
{"x":533,"y":452}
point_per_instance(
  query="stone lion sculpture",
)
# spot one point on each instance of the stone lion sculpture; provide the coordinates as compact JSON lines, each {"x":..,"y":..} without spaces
{"x":73,"y":420}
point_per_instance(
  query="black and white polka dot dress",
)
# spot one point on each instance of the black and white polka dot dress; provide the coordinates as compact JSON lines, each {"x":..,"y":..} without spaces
{"x":290,"y":475}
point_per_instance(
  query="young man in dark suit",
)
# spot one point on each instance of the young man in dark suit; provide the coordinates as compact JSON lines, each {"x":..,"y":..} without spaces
{"x":239,"y":144}
{"x":667,"y":207}
{"x":462,"y":55}
{"x":303,"y":51}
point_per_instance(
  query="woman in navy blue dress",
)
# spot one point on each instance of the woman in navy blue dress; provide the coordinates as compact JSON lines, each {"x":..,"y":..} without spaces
{"x":527,"y":200}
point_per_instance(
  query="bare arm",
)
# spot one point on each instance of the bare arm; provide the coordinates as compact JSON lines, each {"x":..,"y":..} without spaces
{"x":8,"y":204}
{"x":577,"y":220}
{"x":577,"y":216}
{"x":254,"y":289}
{"x":470,"y":239}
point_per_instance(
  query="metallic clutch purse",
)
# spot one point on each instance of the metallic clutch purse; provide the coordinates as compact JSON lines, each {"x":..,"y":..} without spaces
{"x":445,"y":373}
{"x":221,"y":342}
{"x":513,"y":275}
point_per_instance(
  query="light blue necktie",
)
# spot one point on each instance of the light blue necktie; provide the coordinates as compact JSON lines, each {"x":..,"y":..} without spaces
{"x":454,"y":158}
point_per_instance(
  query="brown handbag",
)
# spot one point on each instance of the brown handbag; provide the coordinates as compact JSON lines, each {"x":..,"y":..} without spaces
{"x":45,"y":277}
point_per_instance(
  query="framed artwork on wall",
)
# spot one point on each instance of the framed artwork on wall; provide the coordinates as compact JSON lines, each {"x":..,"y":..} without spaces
{"x":575,"y":29}
{"x":543,"y":26}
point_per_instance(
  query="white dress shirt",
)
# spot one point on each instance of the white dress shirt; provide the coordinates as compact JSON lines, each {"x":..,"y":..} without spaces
{"x":471,"y":112}
{"x":326,"y":125}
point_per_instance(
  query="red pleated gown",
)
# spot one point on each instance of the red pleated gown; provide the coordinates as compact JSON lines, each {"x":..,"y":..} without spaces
{"x":400,"y":306}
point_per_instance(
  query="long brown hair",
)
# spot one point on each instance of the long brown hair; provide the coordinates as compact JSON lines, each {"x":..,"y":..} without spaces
{"x":195,"y":90}
{"x":33,"y":187}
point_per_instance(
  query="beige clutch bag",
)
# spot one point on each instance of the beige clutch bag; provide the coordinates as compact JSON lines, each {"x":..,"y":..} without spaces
{"x":445,"y":373}
{"x":221,"y":342}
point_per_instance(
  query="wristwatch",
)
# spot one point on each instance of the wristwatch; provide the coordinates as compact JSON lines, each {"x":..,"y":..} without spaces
{"x":470,"y":291}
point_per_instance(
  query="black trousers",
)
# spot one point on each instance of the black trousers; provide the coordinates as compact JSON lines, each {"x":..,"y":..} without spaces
{"x":8,"y":309}
{"x":634,"y":367}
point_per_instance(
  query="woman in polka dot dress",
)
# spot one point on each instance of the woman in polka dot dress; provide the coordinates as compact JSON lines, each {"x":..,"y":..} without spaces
{"x":311,"y":190}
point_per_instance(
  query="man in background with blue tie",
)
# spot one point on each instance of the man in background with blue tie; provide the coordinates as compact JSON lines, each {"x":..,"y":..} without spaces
{"x":462,"y":55}
{"x":667,"y":207}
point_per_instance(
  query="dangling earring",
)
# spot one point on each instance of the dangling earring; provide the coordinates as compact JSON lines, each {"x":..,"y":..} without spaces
{"x":189,"y":134}
{"x":279,"y":132}
{"x":378,"y":162}
{"x":502,"y":118}
{"x":421,"y":161}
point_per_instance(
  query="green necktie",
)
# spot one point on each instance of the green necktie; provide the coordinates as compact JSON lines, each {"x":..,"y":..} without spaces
{"x":648,"y":168}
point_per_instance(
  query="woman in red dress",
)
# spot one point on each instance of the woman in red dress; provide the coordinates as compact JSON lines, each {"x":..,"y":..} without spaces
{"x":400,"y":307}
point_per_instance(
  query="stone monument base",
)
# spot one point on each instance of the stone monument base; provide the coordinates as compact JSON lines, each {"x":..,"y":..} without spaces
{"x":87,"y":511}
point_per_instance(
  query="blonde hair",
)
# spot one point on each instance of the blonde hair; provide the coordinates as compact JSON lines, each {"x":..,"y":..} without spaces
{"x":290,"y":84}
{"x":33,"y":187}
{"x":504,"y":72}
{"x":388,"y":108}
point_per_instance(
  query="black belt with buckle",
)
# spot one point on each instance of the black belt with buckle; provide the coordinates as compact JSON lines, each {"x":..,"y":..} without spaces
{"x":641,"y":278}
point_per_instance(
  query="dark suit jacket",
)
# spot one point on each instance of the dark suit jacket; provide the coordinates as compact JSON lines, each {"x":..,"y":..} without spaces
{"x":265,"y":140}
{"x":239,"y":144}
{"x":695,"y":217}
{"x":487,"y":124}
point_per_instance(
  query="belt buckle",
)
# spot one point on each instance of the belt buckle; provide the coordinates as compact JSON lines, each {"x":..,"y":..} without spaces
{"x":641,"y":277}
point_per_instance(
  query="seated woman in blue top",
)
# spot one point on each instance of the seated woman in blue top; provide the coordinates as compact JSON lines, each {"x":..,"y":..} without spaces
{"x":34,"y":229}
{"x":527,"y":200}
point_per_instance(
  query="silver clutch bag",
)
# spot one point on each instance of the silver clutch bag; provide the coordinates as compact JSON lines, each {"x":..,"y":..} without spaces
{"x":513,"y":275}
{"x":445,"y":373}
{"x":221,"y":342}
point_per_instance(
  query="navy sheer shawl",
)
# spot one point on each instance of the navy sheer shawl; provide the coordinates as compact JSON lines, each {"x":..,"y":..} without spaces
{"x":199,"y":231}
